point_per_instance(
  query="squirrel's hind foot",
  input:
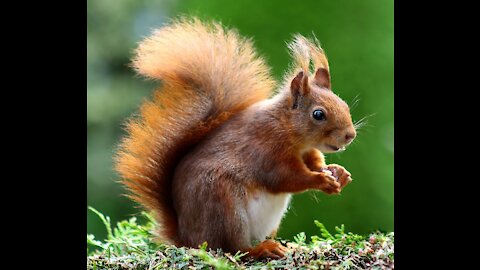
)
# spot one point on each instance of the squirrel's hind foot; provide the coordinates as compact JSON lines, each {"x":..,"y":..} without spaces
{"x":267,"y":249}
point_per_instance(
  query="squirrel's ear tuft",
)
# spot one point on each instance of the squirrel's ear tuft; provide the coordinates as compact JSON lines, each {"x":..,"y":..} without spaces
{"x":322,"y":78}
{"x":299,"y":85}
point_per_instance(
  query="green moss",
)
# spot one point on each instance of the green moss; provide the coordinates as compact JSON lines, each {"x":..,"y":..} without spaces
{"x":129,"y":245}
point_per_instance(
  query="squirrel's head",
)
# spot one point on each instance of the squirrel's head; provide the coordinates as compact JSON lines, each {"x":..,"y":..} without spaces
{"x":320,"y":118}
{"x":318,"y":114}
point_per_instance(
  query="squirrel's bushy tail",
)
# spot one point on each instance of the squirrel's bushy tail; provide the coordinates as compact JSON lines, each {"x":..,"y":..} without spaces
{"x":207,"y":74}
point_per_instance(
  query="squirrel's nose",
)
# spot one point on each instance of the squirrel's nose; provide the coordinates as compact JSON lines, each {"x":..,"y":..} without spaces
{"x":349,"y":136}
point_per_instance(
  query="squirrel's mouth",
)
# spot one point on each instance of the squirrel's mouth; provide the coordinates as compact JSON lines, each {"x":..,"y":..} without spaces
{"x":334,"y":148}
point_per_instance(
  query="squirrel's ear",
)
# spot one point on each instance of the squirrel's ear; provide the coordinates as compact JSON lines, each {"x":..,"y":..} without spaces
{"x":299,"y":85}
{"x":322,"y":78}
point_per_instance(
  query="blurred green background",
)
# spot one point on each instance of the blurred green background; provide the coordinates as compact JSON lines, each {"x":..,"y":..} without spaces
{"x":358,"y":39}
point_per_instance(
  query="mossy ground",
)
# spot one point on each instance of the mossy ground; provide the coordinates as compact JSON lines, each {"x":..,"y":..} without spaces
{"x":129,"y":246}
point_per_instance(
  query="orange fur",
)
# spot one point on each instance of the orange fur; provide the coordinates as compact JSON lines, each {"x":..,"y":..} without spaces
{"x":314,"y":159}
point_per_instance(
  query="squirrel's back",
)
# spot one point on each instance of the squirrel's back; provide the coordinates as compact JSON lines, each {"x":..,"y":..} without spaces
{"x":208,"y":73}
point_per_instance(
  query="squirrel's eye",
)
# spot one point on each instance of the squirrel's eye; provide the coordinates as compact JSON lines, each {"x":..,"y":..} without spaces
{"x":319,"y":115}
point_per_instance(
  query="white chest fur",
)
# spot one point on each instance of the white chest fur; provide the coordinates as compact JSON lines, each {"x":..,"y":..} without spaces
{"x":265,"y":211}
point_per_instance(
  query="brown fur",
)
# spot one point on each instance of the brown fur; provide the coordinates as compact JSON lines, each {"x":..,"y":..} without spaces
{"x":210,"y":138}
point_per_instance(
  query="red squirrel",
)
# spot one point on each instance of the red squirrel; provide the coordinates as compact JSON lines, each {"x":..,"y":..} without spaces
{"x":215,"y":155}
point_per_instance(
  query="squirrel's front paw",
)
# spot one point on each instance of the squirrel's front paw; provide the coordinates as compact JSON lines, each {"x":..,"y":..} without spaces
{"x":328,"y":183}
{"x":340,"y":174}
